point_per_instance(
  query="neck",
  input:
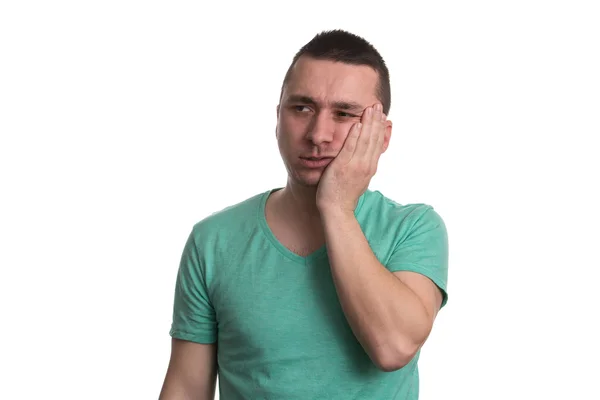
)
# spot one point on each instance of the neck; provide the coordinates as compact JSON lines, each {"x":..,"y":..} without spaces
{"x":299,"y":201}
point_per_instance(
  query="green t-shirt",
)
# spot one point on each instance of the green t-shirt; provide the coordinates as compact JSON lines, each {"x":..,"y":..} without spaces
{"x":280,"y":329}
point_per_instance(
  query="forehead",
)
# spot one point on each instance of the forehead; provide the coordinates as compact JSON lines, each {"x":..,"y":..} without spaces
{"x":328,"y":81}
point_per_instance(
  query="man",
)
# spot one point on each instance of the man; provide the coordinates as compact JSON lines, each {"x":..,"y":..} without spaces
{"x":322,"y":289}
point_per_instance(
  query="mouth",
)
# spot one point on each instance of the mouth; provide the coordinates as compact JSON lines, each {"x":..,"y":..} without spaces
{"x":315,"y":162}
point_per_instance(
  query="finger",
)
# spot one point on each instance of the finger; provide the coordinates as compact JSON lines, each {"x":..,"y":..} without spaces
{"x":379,"y":136}
{"x":351,"y":143}
{"x":363,"y":141}
{"x":377,"y":149}
{"x":375,"y":131}
{"x":363,"y":144}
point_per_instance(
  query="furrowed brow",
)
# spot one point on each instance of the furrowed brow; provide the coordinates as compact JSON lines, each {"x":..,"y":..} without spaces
{"x":297,"y":98}
{"x":348,"y":106}
{"x":339,"y":105}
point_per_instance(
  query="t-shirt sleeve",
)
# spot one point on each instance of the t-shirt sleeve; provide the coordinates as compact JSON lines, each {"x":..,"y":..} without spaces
{"x":424,"y":249}
{"x":193,"y":314}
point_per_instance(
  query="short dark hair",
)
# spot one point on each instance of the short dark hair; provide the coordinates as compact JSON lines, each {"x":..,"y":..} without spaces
{"x":342,"y":46}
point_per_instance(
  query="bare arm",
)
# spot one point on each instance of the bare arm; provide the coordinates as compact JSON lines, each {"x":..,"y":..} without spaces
{"x":391,"y":314}
{"x":192,"y":372}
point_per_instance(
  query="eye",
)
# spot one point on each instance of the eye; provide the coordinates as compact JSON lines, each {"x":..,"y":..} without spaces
{"x":301,"y":109}
{"x":343,"y":114}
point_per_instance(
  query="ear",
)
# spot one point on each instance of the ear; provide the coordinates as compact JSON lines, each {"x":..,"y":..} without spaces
{"x":387,"y":135}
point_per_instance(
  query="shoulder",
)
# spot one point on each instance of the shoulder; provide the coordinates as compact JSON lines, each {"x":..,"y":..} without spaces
{"x":398,"y":217}
{"x":413,"y":239}
{"x":230,"y":220}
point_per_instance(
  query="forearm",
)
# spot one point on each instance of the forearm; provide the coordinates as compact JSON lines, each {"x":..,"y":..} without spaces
{"x":386,"y":316}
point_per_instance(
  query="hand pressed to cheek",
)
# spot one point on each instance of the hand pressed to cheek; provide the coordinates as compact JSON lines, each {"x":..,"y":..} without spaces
{"x":377,"y":133}
{"x":348,"y":176}
{"x":372,"y":135}
{"x":365,"y":138}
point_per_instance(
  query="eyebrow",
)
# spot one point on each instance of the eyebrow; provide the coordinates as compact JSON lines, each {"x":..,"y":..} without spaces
{"x":341,"y":105}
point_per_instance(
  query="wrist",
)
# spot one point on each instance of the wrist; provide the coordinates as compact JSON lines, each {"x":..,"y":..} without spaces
{"x":337,"y":214}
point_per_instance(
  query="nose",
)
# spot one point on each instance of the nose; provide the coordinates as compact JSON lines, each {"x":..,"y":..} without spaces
{"x":321,"y":128}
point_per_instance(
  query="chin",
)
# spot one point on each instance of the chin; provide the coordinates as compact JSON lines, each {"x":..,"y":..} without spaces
{"x":310,"y":179}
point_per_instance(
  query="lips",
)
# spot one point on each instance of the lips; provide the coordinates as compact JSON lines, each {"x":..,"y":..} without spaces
{"x":315,"y":162}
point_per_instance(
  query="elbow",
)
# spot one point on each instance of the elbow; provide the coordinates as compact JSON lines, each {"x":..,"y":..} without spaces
{"x":393,"y":361}
{"x":395,"y":356}
{"x":393,"y":365}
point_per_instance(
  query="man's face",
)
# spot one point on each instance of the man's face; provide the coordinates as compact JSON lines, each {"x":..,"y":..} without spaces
{"x":320,"y":103}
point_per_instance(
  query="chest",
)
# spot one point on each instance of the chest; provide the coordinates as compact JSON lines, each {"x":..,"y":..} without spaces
{"x":273,"y":312}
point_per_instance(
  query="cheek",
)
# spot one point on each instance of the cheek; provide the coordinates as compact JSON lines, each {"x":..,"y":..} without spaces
{"x":286,"y":140}
{"x":293,"y":129}
{"x":296,"y":125}
{"x":343,"y":131}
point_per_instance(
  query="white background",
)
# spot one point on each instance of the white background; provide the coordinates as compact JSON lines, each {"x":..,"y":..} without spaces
{"x":125,"y":122}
